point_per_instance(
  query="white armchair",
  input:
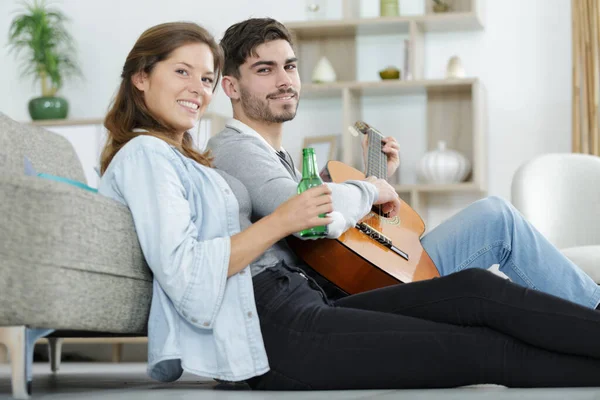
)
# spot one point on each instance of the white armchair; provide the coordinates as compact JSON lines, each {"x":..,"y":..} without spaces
{"x":560,"y":195}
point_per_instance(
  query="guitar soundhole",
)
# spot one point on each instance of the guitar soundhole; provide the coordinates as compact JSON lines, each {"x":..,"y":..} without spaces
{"x":388,"y":221}
{"x":391,"y":221}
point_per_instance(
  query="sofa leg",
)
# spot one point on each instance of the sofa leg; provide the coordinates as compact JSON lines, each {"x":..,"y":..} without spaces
{"x":14,"y":338}
{"x":54,"y":350}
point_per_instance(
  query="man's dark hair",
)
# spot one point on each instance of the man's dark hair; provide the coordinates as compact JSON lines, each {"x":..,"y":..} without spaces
{"x":241,"y":40}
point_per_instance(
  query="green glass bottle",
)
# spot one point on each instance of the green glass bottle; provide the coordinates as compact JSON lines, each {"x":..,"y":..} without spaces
{"x":310,"y":178}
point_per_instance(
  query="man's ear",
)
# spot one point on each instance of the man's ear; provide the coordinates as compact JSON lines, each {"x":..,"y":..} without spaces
{"x":231,"y":87}
{"x":140,"y":80}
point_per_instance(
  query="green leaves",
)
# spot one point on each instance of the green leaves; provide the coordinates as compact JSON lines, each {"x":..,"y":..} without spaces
{"x":38,"y":37}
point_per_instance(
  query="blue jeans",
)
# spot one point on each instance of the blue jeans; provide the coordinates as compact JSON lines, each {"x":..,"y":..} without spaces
{"x":491,"y":231}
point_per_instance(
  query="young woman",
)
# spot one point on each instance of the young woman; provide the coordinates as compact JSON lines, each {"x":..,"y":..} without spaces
{"x":213,"y":315}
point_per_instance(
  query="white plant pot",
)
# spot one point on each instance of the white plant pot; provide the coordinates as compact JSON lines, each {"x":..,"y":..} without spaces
{"x":443,"y":166}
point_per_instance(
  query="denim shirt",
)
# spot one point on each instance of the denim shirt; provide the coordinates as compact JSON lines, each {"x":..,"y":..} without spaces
{"x":184,"y":214}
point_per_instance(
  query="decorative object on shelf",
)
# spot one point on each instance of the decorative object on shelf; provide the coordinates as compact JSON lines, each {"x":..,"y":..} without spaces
{"x":316,"y":9}
{"x":407,"y":57}
{"x":49,"y":49}
{"x":440,"y":6}
{"x":323,"y":72}
{"x":443,"y":166}
{"x":390,"y":73}
{"x":455,"y":68}
{"x":389,"y":8}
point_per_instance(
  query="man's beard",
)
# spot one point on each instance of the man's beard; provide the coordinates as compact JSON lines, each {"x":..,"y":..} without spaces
{"x":259,"y":110}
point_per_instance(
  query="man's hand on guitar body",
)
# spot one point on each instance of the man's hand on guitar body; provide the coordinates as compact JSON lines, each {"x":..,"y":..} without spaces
{"x":388,"y":197}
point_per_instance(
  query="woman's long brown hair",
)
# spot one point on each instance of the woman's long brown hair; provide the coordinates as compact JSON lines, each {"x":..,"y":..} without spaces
{"x":128,"y":110}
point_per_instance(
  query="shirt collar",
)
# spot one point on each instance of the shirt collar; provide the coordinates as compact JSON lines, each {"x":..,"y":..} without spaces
{"x":141,"y":130}
{"x":245,"y":129}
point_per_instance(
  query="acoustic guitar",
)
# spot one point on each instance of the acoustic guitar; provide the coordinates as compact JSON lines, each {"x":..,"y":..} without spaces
{"x":377,"y":252}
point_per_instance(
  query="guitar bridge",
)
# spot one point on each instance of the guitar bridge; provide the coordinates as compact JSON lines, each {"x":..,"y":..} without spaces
{"x":381,"y":238}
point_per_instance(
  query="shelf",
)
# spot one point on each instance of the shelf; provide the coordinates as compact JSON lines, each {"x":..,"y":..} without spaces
{"x":382,"y":88}
{"x":428,"y":187}
{"x":453,"y":108}
{"x":66,"y":122}
{"x":319,"y":90}
{"x":88,"y":121}
{"x":448,"y":22}
{"x":100,"y":340}
{"x":378,"y":88}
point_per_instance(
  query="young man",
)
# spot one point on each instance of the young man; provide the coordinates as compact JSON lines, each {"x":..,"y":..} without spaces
{"x":260,"y":77}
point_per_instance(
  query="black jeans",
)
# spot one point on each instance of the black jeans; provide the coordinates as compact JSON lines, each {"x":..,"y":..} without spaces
{"x":466,"y":328}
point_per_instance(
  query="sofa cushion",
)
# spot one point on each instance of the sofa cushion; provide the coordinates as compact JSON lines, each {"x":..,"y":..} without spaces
{"x":587,"y":258}
{"x":49,"y":152}
{"x":71,"y":257}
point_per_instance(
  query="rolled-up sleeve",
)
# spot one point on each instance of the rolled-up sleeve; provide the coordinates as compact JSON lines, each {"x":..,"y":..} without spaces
{"x":192,"y":273}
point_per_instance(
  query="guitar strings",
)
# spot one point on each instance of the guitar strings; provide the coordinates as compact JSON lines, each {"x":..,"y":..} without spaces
{"x":376,"y":162}
{"x":381,"y":165}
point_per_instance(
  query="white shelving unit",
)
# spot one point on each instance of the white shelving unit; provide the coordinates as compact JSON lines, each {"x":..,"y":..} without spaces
{"x":454,"y":107}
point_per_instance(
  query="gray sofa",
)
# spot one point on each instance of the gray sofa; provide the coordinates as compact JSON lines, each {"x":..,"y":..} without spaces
{"x":70,"y":260}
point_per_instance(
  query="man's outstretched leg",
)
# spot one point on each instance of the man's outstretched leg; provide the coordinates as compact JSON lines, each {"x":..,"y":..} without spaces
{"x":491,"y":231}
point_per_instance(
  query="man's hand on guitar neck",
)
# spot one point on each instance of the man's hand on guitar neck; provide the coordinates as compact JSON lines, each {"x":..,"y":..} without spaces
{"x":388,"y":197}
{"x":390,"y":148}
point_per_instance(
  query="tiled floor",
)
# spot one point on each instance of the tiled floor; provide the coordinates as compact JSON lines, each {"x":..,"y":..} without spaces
{"x":129,"y":381}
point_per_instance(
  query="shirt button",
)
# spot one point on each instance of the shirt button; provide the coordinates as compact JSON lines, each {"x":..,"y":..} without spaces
{"x":243,"y":272}
{"x":194,"y":320}
{"x":206,"y":323}
{"x":226,"y":191}
{"x":249,"y":314}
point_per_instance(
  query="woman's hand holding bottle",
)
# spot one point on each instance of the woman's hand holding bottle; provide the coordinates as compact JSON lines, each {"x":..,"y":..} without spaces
{"x":302,"y":211}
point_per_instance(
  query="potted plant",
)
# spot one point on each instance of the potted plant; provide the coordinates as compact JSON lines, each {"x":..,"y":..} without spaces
{"x":47,"y":51}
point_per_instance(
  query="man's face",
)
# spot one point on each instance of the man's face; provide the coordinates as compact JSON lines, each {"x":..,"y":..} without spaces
{"x":269,"y":83}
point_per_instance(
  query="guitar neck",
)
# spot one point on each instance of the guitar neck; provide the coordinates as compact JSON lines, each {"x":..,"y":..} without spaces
{"x":376,"y":159}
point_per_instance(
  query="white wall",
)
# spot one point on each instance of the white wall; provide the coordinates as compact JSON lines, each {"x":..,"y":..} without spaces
{"x":523,"y":58}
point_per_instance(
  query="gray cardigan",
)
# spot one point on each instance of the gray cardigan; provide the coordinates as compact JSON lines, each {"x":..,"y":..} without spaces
{"x":240,"y":152}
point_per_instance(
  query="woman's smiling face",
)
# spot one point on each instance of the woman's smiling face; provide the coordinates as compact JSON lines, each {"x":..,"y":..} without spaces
{"x":179,"y":88}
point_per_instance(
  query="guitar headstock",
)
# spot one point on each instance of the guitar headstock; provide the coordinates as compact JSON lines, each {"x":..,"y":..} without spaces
{"x":364,"y":128}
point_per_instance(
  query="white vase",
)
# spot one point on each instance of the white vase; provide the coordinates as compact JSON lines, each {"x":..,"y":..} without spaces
{"x":443,"y":166}
{"x":323,"y":72}
{"x":455,"y":69}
